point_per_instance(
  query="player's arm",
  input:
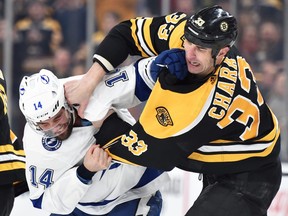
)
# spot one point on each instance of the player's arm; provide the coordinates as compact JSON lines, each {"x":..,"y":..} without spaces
{"x":126,"y":88}
{"x":137,"y":147}
{"x":140,"y":36}
{"x":131,"y":85}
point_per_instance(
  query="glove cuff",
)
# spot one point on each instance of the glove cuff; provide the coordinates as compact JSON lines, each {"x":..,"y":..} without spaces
{"x":84,"y":174}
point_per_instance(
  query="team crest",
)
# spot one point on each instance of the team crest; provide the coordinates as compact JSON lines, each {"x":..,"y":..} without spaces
{"x":224,"y":26}
{"x":163,"y":116}
{"x":51,"y":143}
{"x":45,"y":79}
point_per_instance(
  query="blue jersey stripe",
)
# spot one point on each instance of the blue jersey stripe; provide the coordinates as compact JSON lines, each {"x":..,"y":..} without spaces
{"x":142,"y":91}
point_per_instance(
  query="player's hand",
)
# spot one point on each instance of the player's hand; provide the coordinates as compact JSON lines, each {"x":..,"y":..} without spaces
{"x":96,"y":159}
{"x":174,"y":60}
{"x":76,"y":93}
{"x":79,"y":91}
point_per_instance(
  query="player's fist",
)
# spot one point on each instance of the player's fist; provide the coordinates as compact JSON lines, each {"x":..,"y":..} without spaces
{"x":96,"y":159}
{"x":174,"y":60}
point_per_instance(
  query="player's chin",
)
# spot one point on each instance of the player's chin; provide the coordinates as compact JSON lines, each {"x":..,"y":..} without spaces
{"x":65,"y":134}
{"x":194,"y":69}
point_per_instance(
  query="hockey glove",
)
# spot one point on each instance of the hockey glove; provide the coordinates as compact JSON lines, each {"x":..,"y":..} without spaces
{"x":174,"y":60}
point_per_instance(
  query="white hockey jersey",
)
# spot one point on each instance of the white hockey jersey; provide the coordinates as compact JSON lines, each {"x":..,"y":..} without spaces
{"x":54,"y":186}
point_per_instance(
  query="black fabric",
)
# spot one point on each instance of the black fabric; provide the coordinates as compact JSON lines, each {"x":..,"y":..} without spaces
{"x":116,"y":40}
{"x":20,"y":188}
{"x":6,"y":199}
{"x":112,"y":127}
{"x":84,"y":173}
{"x":10,"y":145}
{"x":242,"y":194}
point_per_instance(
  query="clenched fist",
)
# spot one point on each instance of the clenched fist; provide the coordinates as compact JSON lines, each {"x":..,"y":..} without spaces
{"x":96,"y":159}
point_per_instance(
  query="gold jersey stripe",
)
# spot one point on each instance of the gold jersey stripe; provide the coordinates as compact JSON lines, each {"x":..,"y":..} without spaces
{"x":135,"y":37}
{"x":9,"y":148}
{"x":147,"y":36}
{"x":122,"y":160}
{"x":12,"y":166}
{"x":233,"y":157}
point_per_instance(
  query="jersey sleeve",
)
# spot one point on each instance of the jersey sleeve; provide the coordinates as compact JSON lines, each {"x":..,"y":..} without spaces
{"x":125,"y":88}
{"x":142,"y":36}
{"x":131,"y":148}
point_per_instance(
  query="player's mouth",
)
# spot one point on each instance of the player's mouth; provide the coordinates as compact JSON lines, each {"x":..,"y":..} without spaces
{"x":194,"y":63}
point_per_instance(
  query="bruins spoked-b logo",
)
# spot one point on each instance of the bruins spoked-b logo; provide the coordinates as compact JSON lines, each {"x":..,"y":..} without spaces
{"x":163,"y":116}
{"x":224,"y":26}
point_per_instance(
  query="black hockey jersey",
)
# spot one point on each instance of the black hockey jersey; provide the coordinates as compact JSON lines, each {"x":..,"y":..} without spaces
{"x":222,"y":125}
{"x":12,"y":157}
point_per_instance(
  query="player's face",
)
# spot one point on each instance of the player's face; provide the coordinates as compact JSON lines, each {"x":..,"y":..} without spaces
{"x":199,"y":59}
{"x":60,"y":126}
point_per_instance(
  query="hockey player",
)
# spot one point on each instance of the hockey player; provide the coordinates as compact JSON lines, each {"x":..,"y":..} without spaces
{"x":67,"y":173}
{"x":212,"y":119}
{"x":12,"y":157}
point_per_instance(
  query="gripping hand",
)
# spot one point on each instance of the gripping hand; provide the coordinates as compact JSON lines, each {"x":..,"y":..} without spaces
{"x":174,"y":60}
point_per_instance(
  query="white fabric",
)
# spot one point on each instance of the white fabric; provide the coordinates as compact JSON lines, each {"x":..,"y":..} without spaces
{"x":119,"y":95}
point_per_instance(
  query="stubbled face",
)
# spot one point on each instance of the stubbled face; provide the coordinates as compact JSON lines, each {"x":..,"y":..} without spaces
{"x":199,"y":59}
{"x":60,"y":126}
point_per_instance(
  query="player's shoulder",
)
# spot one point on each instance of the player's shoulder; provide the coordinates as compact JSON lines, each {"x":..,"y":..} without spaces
{"x":176,"y":17}
{"x":30,"y":137}
{"x":28,"y":130}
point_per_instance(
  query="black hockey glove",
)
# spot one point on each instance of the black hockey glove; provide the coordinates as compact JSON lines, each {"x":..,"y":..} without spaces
{"x":174,"y":60}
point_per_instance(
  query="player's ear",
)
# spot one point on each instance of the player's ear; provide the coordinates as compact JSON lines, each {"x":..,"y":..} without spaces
{"x":223,"y":51}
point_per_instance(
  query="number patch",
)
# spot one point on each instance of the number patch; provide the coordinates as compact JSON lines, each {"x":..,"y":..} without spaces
{"x":137,"y":147}
{"x":45,"y":178}
{"x":166,"y":29}
{"x":122,"y":76}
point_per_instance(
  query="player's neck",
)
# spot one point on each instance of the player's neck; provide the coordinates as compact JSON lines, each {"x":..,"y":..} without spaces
{"x":79,"y":122}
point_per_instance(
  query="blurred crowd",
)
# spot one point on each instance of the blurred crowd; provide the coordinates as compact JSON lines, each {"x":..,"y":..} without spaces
{"x":52,"y":34}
